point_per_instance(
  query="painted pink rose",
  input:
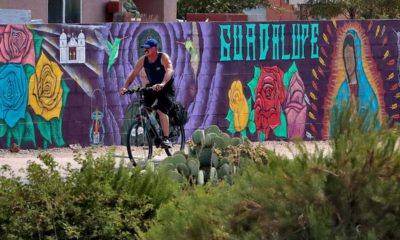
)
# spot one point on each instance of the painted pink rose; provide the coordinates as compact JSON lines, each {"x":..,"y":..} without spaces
{"x":295,"y":107}
{"x":270,"y":95}
{"x":16,"y":45}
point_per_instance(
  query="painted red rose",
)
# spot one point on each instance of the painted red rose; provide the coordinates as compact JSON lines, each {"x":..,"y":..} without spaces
{"x":270,"y":94}
{"x":16,"y":45}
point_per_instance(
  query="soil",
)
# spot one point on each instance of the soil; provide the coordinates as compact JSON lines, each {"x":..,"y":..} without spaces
{"x":19,"y":161}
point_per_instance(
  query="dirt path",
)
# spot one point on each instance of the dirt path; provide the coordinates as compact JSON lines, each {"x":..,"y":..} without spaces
{"x":63,"y":156}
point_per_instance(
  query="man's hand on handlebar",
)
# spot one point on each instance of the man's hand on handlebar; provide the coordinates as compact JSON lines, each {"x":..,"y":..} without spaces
{"x":158,"y":87}
{"x":122,"y":91}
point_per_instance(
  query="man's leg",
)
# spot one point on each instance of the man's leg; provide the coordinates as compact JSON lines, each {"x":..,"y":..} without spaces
{"x":164,"y":122}
{"x":164,"y":105}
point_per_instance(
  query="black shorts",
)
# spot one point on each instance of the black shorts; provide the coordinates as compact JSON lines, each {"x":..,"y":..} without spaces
{"x":165,"y":98}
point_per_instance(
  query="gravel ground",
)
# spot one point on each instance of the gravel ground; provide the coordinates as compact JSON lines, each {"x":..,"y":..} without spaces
{"x":19,"y":161}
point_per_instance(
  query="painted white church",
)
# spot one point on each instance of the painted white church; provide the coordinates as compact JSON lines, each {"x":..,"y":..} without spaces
{"x":73,"y":51}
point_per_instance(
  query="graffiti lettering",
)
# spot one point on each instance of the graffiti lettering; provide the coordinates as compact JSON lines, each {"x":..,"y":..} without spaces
{"x":232,"y":41}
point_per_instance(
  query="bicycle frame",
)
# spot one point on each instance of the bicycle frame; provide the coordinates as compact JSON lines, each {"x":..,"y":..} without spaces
{"x":150,"y":130}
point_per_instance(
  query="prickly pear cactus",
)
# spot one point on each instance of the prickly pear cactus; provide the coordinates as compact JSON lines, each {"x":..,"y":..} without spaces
{"x":236,"y":141}
{"x":198,"y":137}
{"x":194,"y":166}
{"x":224,"y":170}
{"x":219,"y":142}
{"x":210,"y":139}
{"x":213,"y":156}
{"x":214,"y":160}
{"x":205,"y":157}
{"x":213,"y":129}
{"x":226,"y":138}
{"x":183,"y":169}
{"x":178,"y":158}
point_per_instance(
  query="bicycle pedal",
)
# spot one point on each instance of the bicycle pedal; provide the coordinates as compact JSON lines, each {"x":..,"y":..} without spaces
{"x":165,"y":146}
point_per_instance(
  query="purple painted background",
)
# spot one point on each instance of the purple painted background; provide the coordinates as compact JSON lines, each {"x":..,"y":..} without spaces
{"x":203,"y":81}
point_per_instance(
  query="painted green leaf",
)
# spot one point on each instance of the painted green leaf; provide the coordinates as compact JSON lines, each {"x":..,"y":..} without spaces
{"x":44,"y":128}
{"x":229,"y":117}
{"x":252,"y":127}
{"x":252,"y":115}
{"x":289,"y":74}
{"x":29,"y":70}
{"x":3,"y":128}
{"x":29,"y":133}
{"x":244,"y":133}
{"x":65,"y":92}
{"x":262,"y":137}
{"x":18,"y":130}
{"x":281,"y":130}
{"x":56,"y":131}
{"x":249,"y":104}
{"x":9,"y":137}
{"x":252,"y":124}
{"x":56,"y":123}
{"x":37,"y":39}
{"x":254,"y":81}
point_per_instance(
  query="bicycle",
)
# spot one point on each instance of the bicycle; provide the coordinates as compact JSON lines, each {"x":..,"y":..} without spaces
{"x":146,"y":131}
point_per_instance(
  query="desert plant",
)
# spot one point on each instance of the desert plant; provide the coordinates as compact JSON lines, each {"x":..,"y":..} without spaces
{"x":351,"y":193}
{"x":99,"y":200}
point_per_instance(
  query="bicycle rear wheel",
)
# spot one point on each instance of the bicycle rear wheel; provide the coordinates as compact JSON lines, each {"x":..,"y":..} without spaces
{"x":139,"y":144}
{"x":177,"y":138}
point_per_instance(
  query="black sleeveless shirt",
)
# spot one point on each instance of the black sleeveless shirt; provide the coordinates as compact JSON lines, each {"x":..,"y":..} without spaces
{"x":155,"y":71}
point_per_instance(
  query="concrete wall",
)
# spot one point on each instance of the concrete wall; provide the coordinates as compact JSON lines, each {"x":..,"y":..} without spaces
{"x":263,"y":80}
{"x":170,"y":9}
{"x":216,"y":17}
{"x":94,"y":11}
{"x":39,"y":8}
{"x":280,"y":10}
{"x":158,"y":10}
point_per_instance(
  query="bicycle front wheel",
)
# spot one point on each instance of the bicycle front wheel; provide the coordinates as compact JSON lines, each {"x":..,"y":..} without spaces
{"x":177,"y":138}
{"x":139,"y":143}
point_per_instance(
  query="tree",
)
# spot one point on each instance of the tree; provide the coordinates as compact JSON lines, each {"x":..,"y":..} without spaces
{"x":351,"y":9}
{"x":216,"y":6}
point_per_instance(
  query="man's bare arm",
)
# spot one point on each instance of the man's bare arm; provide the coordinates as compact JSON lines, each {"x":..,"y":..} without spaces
{"x":169,"y":70}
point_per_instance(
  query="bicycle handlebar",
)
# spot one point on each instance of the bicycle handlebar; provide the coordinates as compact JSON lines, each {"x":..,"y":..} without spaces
{"x":138,"y":89}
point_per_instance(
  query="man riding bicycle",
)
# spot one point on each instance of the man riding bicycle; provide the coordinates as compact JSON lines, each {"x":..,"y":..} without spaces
{"x":159,"y":72}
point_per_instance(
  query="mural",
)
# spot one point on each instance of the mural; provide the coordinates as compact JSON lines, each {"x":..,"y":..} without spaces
{"x":355,"y":74}
{"x":266,"y":81}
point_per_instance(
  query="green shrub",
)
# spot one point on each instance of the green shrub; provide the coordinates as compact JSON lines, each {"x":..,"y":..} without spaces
{"x":195,"y":214}
{"x":97,"y":201}
{"x":351,"y":193}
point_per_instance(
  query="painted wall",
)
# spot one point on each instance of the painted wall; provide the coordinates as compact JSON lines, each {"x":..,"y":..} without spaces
{"x":264,"y":80}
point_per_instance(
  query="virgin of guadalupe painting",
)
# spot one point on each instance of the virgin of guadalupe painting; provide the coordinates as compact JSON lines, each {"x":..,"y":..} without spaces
{"x":354,"y":77}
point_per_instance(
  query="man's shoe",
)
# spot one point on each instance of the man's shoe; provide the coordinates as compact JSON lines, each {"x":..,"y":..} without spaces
{"x":166,"y":143}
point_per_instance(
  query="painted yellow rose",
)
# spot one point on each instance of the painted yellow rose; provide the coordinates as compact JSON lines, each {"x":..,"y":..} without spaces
{"x":238,"y":104}
{"x":45,"y":91}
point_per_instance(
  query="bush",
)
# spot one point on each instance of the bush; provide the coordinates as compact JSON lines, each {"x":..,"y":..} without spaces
{"x":97,"y":201}
{"x":352,"y":193}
